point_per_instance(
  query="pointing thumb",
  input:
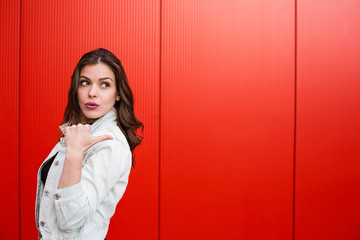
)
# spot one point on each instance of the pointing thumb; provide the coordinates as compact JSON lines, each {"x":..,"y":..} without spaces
{"x":102,"y":138}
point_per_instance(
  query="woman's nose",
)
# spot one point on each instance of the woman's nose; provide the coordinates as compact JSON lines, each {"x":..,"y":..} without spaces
{"x":93,"y":91}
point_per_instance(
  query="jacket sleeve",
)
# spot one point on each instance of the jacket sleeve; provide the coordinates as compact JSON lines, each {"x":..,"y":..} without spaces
{"x":76,"y":203}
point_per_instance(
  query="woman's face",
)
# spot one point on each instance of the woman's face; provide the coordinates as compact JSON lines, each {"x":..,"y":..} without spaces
{"x":97,"y":91}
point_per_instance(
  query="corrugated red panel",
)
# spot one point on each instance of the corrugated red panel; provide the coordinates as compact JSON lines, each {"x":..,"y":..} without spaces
{"x":9,"y":115}
{"x":54,"y":36}
{"x":328,"y":130}
{"x":227,"y":119}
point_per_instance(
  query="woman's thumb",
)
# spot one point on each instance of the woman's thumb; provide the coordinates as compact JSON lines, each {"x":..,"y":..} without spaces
{"x":102,"y":138}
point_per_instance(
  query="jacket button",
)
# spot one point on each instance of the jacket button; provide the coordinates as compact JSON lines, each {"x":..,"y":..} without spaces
{"x":42,"y":223}
{"x":46,"y":192}
{"x":56,"y":163}
{"x":57,"y":196}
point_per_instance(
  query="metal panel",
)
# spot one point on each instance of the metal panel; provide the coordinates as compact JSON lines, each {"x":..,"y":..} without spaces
{"x":227,"y":119}
{"x":9,"y":113}
{"x":328,"y":130}
{"x":54,"y":36}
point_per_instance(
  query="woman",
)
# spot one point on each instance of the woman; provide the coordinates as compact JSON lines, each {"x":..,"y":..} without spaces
{"x":86,"y":173}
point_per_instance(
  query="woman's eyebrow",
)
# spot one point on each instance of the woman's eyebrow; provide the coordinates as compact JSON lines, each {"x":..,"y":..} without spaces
{"x":103,"y":78}
{"x":82,"y":76}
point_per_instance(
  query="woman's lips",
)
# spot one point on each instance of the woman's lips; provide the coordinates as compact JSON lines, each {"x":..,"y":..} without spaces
{"x":91,"y":105}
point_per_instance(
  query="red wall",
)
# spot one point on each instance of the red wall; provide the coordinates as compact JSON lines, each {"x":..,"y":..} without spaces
{"x":327,"y":204}
{"x":246,"y":105}
{"x":9,"y":115}
{"x":227,"y":120}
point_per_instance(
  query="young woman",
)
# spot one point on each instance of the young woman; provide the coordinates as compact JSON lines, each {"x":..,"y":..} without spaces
{"x":86,"y":173}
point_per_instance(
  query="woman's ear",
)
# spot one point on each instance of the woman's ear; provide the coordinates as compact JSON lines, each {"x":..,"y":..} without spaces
{"x":117,"y":97}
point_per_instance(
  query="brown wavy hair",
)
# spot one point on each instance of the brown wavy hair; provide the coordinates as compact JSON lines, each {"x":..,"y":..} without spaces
{"x":126,"y":119}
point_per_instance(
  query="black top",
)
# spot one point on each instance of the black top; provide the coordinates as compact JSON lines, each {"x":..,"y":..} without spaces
{"x":46,"y":168}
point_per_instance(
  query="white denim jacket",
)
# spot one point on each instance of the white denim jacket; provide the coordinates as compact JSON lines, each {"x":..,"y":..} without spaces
{"x":83,"y":210}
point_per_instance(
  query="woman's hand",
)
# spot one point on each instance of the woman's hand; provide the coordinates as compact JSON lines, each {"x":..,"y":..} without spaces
{"x":78,"y":138}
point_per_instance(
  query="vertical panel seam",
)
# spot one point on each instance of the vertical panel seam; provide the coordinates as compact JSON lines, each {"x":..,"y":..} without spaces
{"x":19,"y":98}
{"x":160,"y":53}
{"x":295,"y":105}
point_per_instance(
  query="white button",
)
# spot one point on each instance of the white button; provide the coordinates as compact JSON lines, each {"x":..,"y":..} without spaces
{"x":57,"y":196}
{"x":42,"y":223}
{"x":46,"y":192}
{"x":56,"y":163}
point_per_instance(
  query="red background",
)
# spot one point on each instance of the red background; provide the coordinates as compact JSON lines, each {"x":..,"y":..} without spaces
{"x":251,"y":112}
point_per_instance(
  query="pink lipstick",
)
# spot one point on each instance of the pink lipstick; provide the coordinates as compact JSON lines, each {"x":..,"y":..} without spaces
{"x":91,"y":105}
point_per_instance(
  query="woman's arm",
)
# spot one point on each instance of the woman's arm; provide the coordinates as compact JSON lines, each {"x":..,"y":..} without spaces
{"x":73,"y":203}
{"x":109,"y":165}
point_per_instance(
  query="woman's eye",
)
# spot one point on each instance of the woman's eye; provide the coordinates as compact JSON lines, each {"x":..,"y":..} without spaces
{"x":105,"y":84}
{"x":84,"y":83}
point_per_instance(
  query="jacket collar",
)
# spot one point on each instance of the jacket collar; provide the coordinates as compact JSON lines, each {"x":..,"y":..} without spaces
{"x":106,"y":121}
